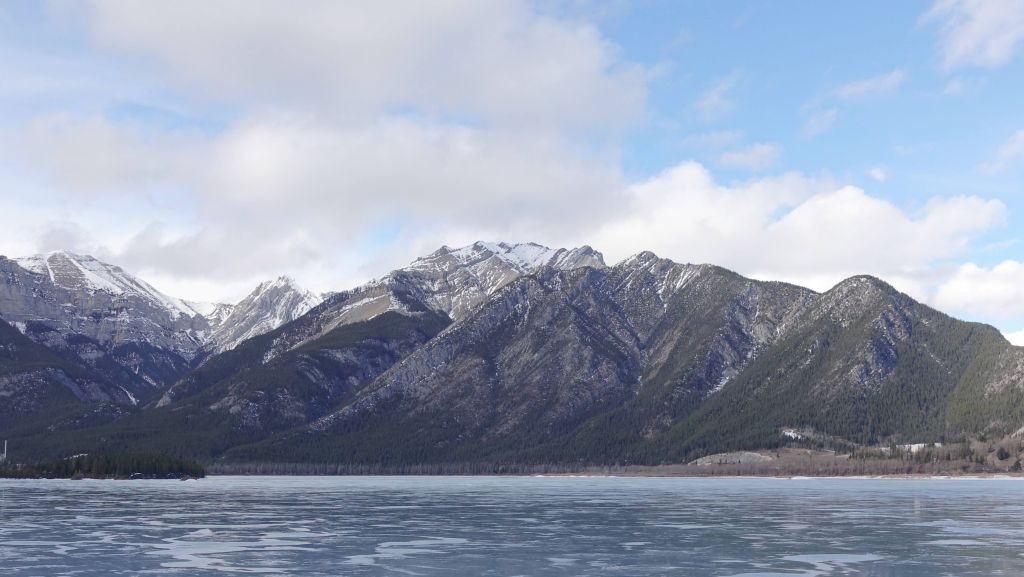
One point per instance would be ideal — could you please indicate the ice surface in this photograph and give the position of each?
(512, 526)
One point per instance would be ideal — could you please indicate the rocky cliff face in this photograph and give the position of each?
(653, 361)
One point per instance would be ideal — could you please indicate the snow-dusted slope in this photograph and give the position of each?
(456, 281)
(215, 313)
(271, 305)
(138, 337)
(523, 257)
(97, 314)
(76, 272)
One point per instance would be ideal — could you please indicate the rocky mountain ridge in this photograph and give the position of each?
(519, 353)
(120, 327)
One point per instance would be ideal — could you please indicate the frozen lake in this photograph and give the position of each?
(512, 526)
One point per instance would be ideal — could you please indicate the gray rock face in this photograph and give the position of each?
(271, 305)
(648, 338)
(453, 282)
(79, 294)
(103, 317)
(98, 315)
(456, 281)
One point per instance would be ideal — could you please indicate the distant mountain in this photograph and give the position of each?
(298, 372)
(272, 304)
(517, 353)
(101, 317)
(456, 281)
(120, 328)
(354, 336)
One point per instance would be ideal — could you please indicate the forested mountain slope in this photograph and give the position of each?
(523, 354)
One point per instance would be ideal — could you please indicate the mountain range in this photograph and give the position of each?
(494, 352)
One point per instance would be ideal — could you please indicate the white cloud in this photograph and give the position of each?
(1017, 338)
(993, 292)
(1010, 153)
(500, 62)
(404, 136)
(878, 173)
(407, 135)
(280, 193)
(983, 33)
(875, 85)
(794, 228)
(717, 100)
(754, 157)
(822, 115)
(286, 194)
(91, 155)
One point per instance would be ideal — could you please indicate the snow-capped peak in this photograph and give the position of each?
(270, 305)
(306, 299)
(522, 257)
(282, 282)
(640, 259)
(84, 272)
(456, 280)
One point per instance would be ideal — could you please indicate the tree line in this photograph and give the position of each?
(112, 466)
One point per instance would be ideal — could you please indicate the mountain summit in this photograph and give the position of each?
(270, 305)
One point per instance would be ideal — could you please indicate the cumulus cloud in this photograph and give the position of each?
(1016, 338)
(360, 138)
(874, 85)
(349, 122)
(806, 230)
(280, 192)
(754, 157)
(982, 33)
(995, 292)
(1010, 153)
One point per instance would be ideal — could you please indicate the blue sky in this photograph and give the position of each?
(207, 146)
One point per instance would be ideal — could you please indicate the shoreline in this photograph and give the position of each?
(591, 475)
